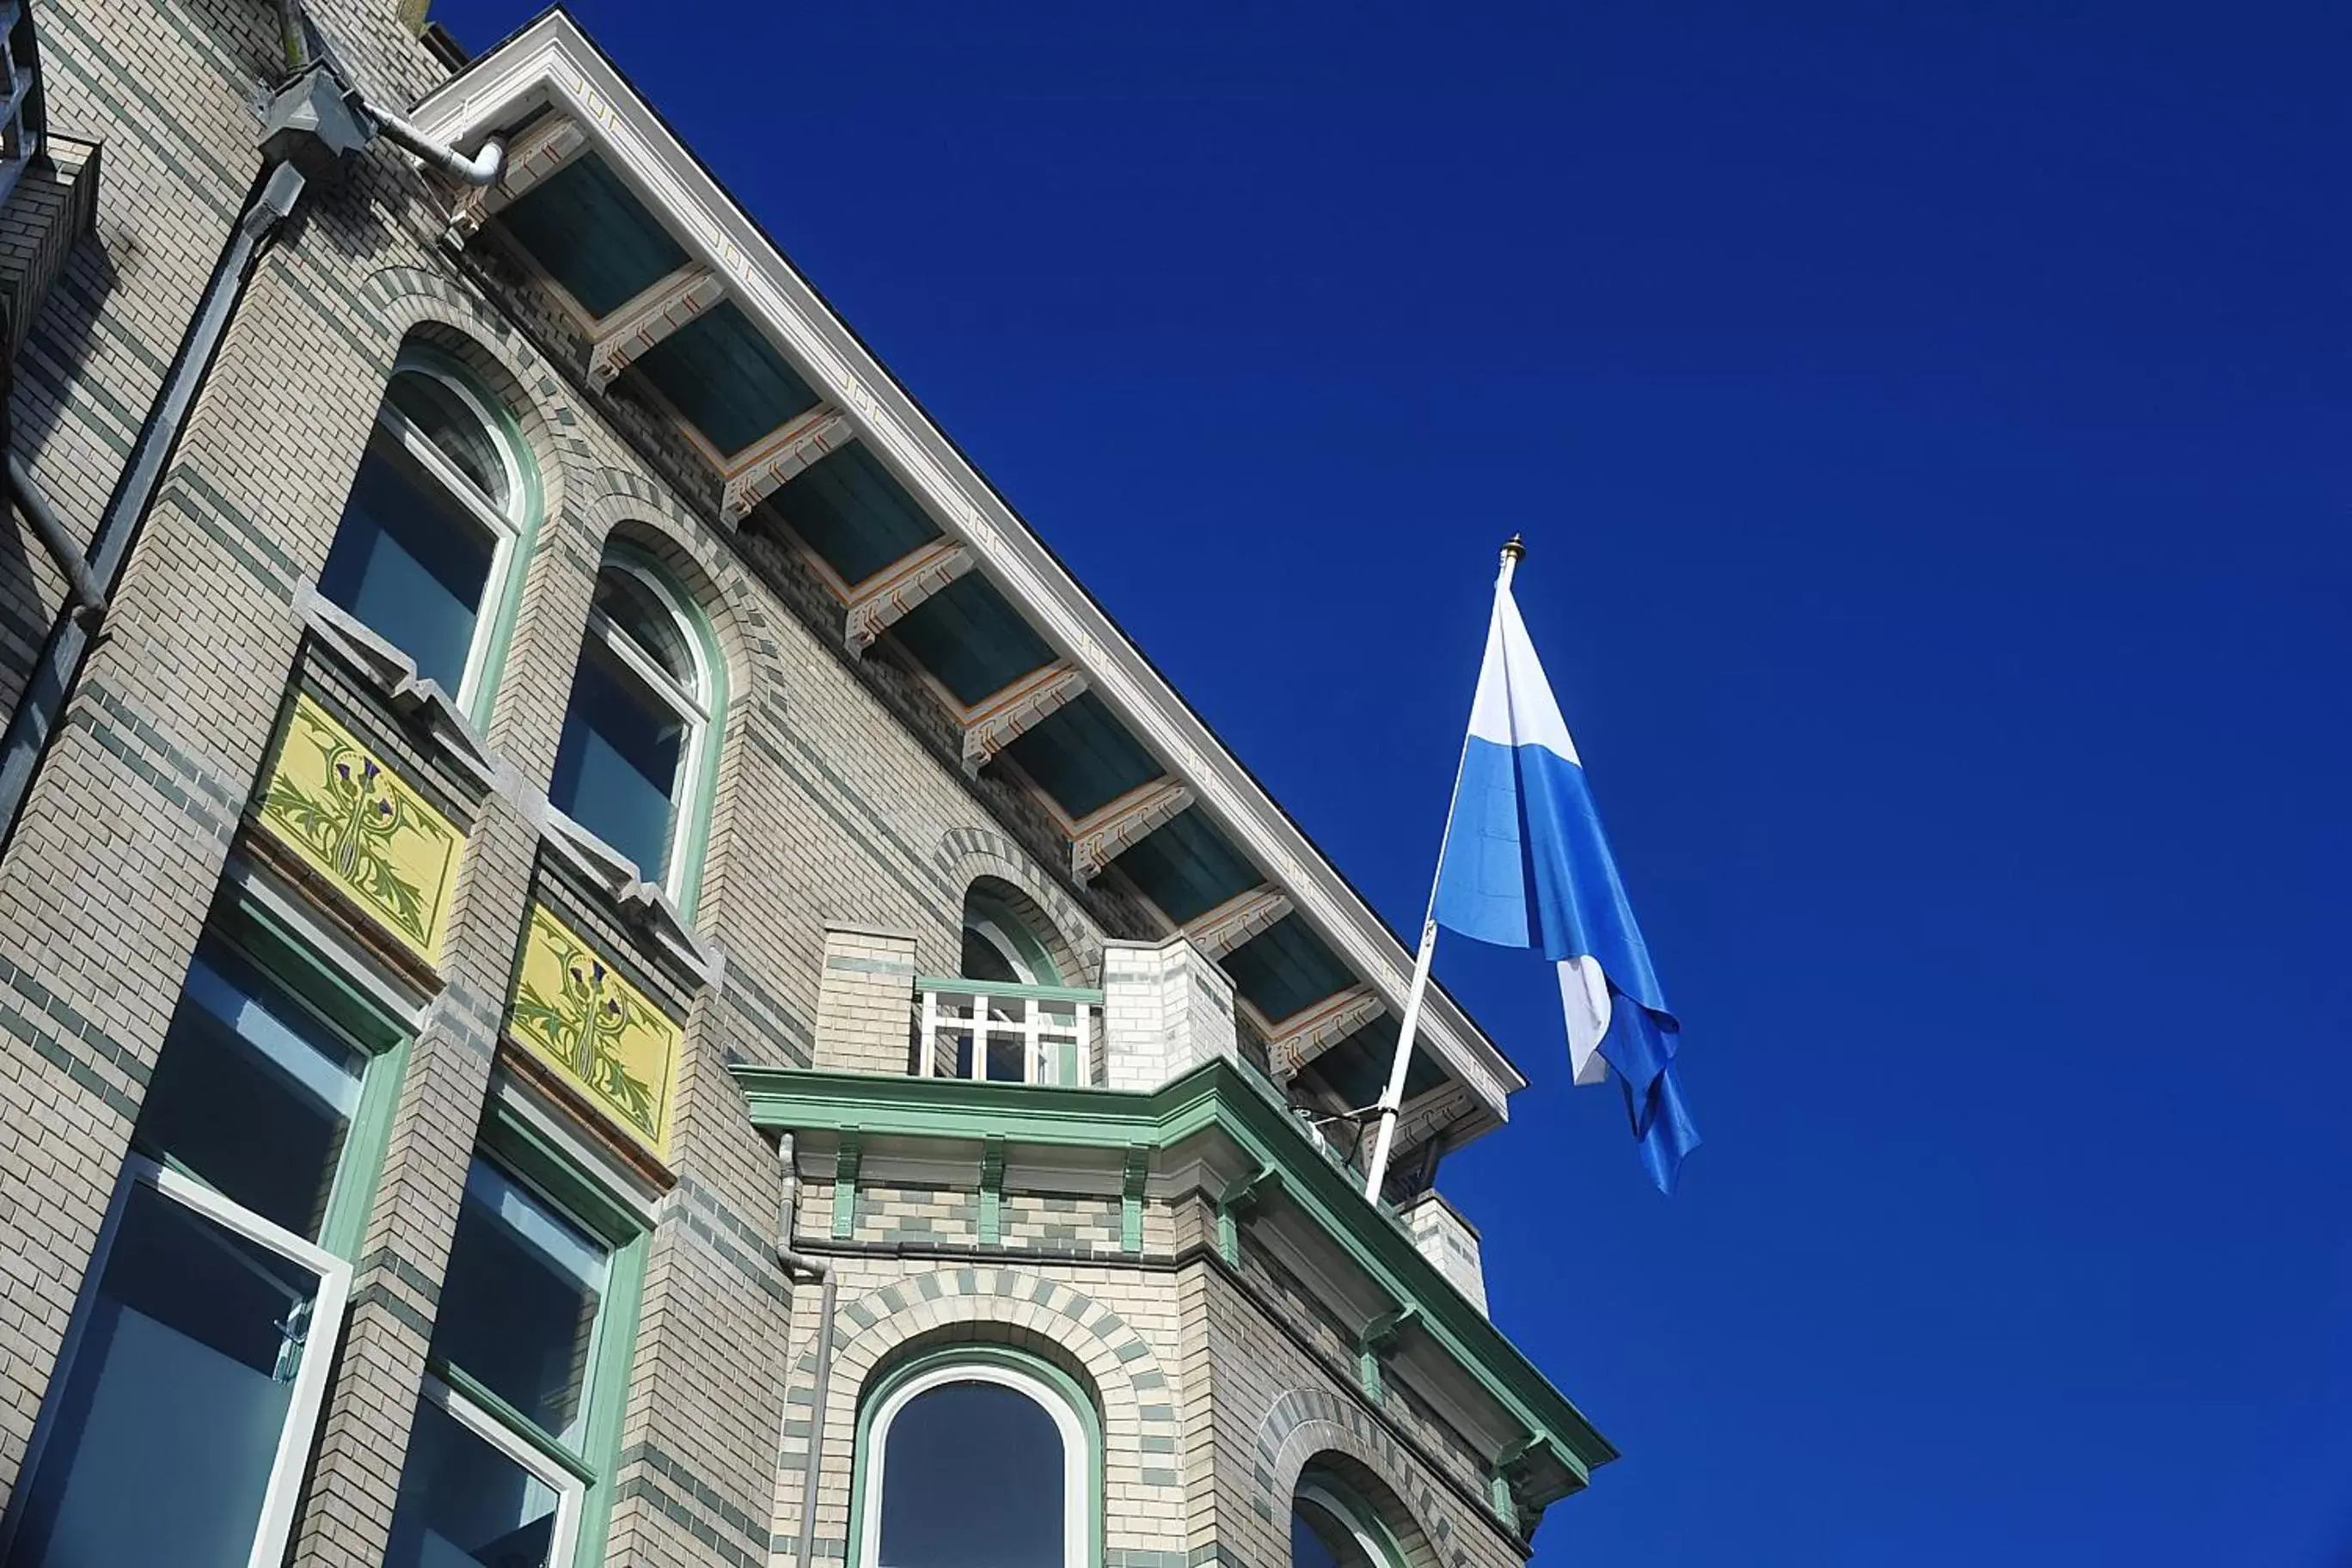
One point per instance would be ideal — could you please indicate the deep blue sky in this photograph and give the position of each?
(1930, 424)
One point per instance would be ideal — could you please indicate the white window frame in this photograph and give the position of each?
(570, 1491)
(504, 527)
(319, 1343)
(1076, 1534)
(1344, 1514)
(691, 708)
(992, 932)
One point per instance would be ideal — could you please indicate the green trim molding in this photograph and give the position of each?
(1216, 1097)
(689, 838)
(513, 1142)
(878, 1389)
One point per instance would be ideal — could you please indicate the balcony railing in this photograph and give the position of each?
(986, 1030)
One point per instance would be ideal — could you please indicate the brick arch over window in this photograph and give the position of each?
(968, 855)
(1312, 1425)
(1133, 1393)
(989, 894)
(410, 302)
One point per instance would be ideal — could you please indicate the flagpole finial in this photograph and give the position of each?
(1513, 550)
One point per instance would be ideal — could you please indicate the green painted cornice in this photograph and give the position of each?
(1215, 1097)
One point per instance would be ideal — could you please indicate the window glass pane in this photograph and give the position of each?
(167, 1423)
(642, 615)
(1320, 1538)
(253, 1093)
(983, 960)
(457, 432)
(519, 1307)
(617, 762)
(972, 1478)
(462, 1501)
(410, 561)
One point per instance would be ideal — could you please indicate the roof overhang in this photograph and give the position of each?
(551, 64)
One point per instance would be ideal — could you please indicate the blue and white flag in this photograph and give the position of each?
(1526, 865)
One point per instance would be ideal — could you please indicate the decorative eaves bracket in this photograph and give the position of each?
(887, 598)
(630, 332)
(780, 458)
(1378, 1338)
(1242, 1195)
(1237, 920)
(1101, 836)
(1006, 716)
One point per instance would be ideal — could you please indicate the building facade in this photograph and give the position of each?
(602, 957)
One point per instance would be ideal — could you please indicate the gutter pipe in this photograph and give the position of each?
(55, 538)
(310, 133)
(801, 1263)
(53, 677)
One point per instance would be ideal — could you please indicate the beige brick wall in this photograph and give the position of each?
(841, 850)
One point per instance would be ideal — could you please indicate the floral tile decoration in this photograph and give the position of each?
(574, 1013)
(335, 804)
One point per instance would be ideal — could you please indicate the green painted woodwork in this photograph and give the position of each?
(343, 1228)
(853, 513)
(1083, 757)
(1188, 867)
(721, 372)
(588, 231)
(845, 1186)
(972, 639)
(530, 507)
(1379, 1337)
(520, 1148)
(532, 1434)
(1134, 1172)
(1360, 1512)
(318, 983)
(878, 1390)
(1007, 988)
(992, 1193)
(1217, 1096)
(690, 831)
(980, 905)
(1286, 968)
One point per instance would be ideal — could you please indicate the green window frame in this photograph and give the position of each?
(511, 526)
(1365, 1541)
(288, 973)
(702, 709)
(582, 1468)
(1059, 1392)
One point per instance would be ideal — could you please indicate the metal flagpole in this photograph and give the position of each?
(1392, 1097)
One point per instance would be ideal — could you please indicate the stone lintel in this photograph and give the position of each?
(884, 598)
(1238, 918)
(630, 332)
(1101, 836)
(1013, 712)
(1306, 1034)
(779, 458)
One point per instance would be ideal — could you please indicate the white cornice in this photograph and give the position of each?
(551, 62)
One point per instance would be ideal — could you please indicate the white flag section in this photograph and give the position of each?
(1525, 864)
(1584, 997)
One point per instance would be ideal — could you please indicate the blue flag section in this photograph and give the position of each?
(1526, 865)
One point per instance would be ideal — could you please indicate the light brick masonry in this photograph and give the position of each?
(842, 846)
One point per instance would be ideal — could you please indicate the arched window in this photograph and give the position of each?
(444, 500)
(998, 945)
(975, 1455)
(1332, 1527)
(635, 763)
